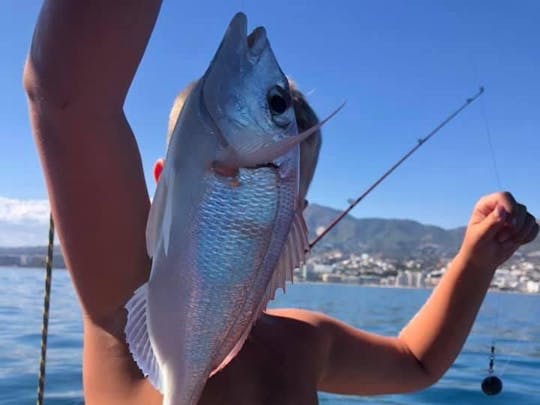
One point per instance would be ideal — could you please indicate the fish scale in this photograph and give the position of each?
(229, 250)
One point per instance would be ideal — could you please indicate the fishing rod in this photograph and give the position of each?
(45, 322)
(395, 166)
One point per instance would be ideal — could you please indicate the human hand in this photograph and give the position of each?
(499, 225)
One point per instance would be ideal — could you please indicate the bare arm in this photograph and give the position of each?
(83, 57)
(362, 363)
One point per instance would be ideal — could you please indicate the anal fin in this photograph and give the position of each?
(137, 337)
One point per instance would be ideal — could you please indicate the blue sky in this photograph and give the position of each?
(401, 66)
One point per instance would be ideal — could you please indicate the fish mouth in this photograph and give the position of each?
(232, 171)
(254, 43)
(270, 165)
(238, 55)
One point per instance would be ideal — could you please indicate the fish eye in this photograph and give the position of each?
(279, 100)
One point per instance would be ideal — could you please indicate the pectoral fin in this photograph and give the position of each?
(261, 153)
(160, 216)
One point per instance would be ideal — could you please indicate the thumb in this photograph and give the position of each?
(494, 222)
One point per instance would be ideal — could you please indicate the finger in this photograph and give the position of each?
(504, 235)
(519, 235)
(506, 199)
(494, 222)
(488, 203)
(533, 233)
(519, 217)
(509, 247)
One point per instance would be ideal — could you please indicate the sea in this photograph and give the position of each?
(510, 321)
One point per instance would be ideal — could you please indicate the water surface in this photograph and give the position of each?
(512, 319)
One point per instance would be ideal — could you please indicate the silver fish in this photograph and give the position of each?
(224, 229)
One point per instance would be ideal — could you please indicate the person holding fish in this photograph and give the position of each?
(174, 293)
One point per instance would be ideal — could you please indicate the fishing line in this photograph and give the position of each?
(512, 350)
(491, 384)
(490, 143)
(508, 360)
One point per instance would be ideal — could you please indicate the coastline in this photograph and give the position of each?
(310, 282)
(400, 287)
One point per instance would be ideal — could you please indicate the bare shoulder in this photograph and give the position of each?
(310, 329)
(315, 319)
(298, 329)
(281, 362)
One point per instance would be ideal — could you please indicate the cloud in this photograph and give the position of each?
(23, 222)
(23, 211)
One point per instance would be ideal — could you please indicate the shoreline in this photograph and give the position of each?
(402, 287)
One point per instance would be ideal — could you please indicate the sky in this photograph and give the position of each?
(401, 66)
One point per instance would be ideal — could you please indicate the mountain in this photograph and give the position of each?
(30, 256)
(391, 238)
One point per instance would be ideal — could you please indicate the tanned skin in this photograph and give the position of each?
(83, 58)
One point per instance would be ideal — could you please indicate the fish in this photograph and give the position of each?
(225, 227)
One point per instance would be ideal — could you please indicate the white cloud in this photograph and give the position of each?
(23, 222)
(23, 211)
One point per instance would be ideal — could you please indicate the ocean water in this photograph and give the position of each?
(512, 319)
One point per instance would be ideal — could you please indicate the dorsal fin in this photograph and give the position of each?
(293, 255)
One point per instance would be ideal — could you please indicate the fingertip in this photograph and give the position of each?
(501, 213)
(507, 195)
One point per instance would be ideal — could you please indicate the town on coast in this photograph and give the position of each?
(519, 274)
